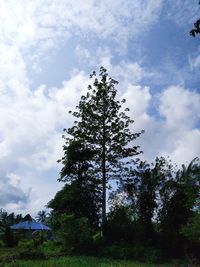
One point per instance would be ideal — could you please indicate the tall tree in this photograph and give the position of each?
(102, 126)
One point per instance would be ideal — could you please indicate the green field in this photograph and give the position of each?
(79, 262)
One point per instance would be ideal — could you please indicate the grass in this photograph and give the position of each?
(79, 262)
(8, 252)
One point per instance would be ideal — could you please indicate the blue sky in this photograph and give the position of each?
(47, 53)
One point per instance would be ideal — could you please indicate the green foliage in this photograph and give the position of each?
(43, 216)
(79, 198)
(27, 217)
(34, 254)
(179, 199)
(35, 242)
(196, 29)
(140, 253)
(103, 134)
(7, 219)
(97, 238)
(51, 248)
(32, 248)
(120, 226)
(142, 187)
(73, 233)
(8, 238)
(82, 262)
(191, 230)
(1, 243)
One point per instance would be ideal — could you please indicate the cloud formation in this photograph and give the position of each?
(11, 193)
(100, 33)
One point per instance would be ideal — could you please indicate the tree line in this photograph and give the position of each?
(113, 203)
(153, 207)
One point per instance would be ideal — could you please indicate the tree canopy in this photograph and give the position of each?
(101, 135)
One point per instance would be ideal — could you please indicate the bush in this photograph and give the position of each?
(51, 248)
(74, 233)
(139, 253)
(119, 226)
(1, 243)
(146, 254)
(23, 244)
(8, 238)
(31, 249)
(97, 238)
(33, 254)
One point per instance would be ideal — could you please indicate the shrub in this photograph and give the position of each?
(97, 238)
(119, 226)
(31, 254)
(31, 248)
(8, 238)
(74, 233)
(26, 244)
(1, 243)
(137, 252)
(50, 247)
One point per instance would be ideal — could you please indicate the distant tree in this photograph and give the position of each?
(8, 237)
(179, 198)
(196, 29)
(3, 219)
(11, 218)
(192, 229)
(7, 219)
(27, 217)
(102, 127)
(142, 186)
(18, 218)
(42, 216)
(191, 232)
(120, 225)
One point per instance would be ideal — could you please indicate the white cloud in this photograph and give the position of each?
(31, 121)
(31, 128)
(125, 72)
(83, 53)
(31, 124)
(175, 131)
(178, 133)
(28, 23)
(12, 193)
(180, 107)
(194, 62)
(13, 74)
(138, 99)
(183, 13)
(187, 147)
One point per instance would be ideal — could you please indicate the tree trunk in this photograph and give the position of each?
(104, 167)
(104, 191)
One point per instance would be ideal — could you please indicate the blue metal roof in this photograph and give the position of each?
(30, 225)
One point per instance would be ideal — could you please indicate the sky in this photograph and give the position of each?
(47, 52)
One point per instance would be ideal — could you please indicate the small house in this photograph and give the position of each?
(30, 228)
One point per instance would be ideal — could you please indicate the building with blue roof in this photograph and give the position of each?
(31, 229)
(30, 225)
